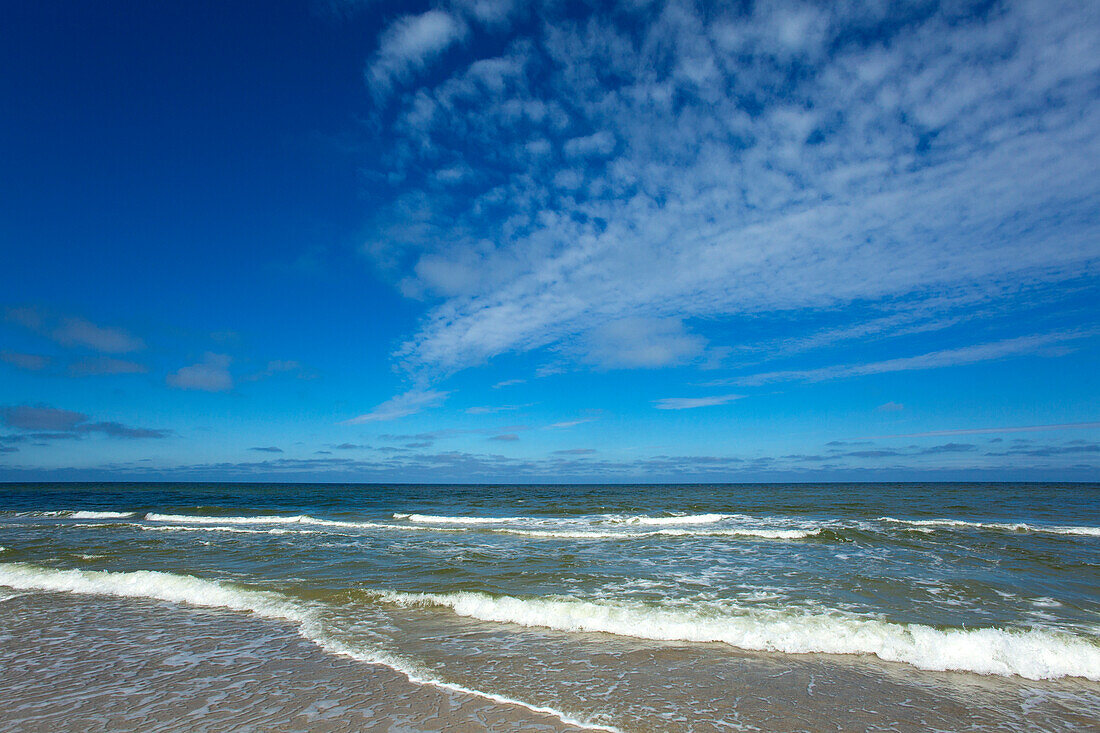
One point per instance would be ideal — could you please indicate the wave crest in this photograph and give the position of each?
(1033, 654)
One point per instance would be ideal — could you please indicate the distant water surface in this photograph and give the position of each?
(691, 607)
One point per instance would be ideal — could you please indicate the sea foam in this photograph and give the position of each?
(1033, 654)
(260, 519)
(999, 526)
(441, 519)
(100, 515)
(212, 594)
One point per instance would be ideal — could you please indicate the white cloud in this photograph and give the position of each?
(570, 423)
(641, 342)
(750, 172)
(688, 403)
(983, 431)
(209, 375)
(401, 405)
(409, 43)
(1023, 345)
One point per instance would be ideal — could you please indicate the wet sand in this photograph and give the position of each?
(74, 663)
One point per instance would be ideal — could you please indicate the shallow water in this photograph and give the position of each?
(773, 607)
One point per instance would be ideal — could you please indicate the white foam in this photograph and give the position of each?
(441, 519)
(212, 594)
(474, 524)
(1034, 654)
(681, 519)
(261, 519)
(101, 515)
(220, 528)
(773, 534)
(1002, 526)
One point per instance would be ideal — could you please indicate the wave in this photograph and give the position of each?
(583, 534)
(1002, 526)
(219, 528)
(681, 519)
(441, 519)
(74, 514)
(260, 519)
(100, 515)
(195, 591)
(774, 534)
(1034, 654)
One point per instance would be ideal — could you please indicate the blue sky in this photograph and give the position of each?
(492, 241)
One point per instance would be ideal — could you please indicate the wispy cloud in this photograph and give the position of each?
(209, 375)
(1022, 345)
(994, 430)
(402, 405)
(642, 164)
(641, 343)
(688, 403)
(570, 423)
(73, 331)
(267, 449)
(410, 43)
(493, 409)
(81, 332)
(30, 362)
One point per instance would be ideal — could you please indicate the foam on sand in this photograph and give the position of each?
(212, 594)
(1034, 654)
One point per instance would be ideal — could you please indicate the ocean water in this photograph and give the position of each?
(635, 608)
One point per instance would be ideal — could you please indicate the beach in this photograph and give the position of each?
(694, 608)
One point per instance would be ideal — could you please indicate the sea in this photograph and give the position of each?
(765, 607)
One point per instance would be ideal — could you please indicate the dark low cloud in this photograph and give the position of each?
(40, 417)
(948, 448)
(267, 449)
(41, 423)
(575, 452)
(1077, 447)
(75, 332)
(505, 437)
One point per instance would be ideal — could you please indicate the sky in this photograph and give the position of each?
(495, 241)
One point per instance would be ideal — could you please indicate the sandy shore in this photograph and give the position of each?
(75, 663)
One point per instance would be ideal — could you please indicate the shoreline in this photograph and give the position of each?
(85, 663)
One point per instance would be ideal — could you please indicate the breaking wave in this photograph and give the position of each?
(439, 519)
(101, 515)
(1001, 526)
(1034, 654)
